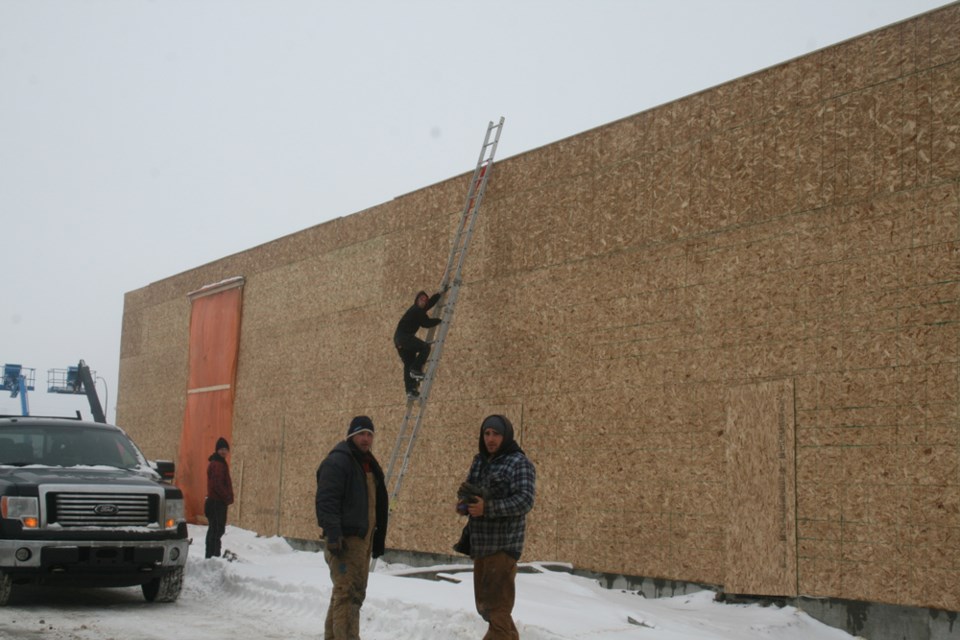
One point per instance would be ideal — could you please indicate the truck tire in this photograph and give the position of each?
(6, 587)
(164, 589)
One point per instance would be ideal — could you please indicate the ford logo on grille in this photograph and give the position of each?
(106, 509)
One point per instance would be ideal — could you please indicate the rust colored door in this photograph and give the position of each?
(214, 349)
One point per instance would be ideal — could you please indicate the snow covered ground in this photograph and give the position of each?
(275, 592)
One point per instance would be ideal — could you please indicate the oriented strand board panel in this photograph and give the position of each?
(760, 554)
(799, 223)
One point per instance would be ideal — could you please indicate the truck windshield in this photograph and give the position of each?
(58, 446)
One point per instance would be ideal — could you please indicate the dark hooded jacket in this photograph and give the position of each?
(508, 479)
(414, 318)
(342, 496)
(219, 485)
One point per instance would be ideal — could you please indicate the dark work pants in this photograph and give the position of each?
(414, 353)
(216, 512)
(494, 592)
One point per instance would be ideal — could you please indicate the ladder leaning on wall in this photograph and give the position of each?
(450, 288)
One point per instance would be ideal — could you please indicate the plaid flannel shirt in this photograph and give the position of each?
(510, 481)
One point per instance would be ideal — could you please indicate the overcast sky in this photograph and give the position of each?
(142, 138)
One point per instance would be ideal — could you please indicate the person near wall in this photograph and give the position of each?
(497, 495)
(352, 510)
(412, 350)
(219, 497)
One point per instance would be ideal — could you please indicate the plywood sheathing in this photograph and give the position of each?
(800, 223)
(761, 531)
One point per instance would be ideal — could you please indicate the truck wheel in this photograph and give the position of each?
(165, 589)
(6, 586)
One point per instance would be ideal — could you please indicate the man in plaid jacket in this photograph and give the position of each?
(498, 494)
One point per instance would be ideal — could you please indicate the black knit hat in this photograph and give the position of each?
(222, 444)
(360, 424)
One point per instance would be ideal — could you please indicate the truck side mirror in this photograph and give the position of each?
(166, 469)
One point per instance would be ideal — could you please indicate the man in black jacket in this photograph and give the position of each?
(414, 351)
(352, 510)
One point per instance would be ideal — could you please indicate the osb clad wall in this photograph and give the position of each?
(654, 303)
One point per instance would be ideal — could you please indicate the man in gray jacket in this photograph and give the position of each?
(352, 510)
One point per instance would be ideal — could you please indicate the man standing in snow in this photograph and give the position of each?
(352, 511)
(497, 495)
(414, 351)
(219, 497)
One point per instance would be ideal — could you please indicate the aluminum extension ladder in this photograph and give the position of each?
(450, 288)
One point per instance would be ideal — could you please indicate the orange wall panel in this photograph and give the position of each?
(214, 345)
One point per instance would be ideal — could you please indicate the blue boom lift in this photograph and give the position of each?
(18, 380)
(77, 380)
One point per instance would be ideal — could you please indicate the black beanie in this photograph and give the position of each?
(222, 444)
(358, 425)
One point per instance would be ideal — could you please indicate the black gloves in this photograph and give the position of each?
(337, 548)
(470, 492)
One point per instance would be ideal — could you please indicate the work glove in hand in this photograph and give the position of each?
(468, 490)
(337, 548)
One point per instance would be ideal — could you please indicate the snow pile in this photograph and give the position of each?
(269, 591)
(270, 580)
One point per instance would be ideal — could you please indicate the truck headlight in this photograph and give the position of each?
(24, 509)
(173, 513)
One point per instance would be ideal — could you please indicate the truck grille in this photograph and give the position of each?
(101, 509)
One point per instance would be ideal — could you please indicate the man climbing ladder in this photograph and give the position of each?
(439, 326)
(412, 350)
